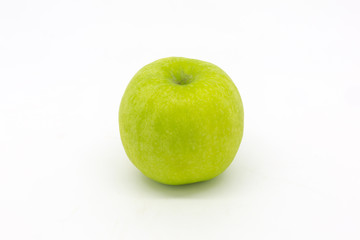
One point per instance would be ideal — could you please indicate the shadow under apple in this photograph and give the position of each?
(193, 190)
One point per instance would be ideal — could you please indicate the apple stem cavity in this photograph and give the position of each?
(181, 78)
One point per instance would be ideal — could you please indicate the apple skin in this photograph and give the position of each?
(181, 120)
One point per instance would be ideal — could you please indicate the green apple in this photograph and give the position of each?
(181, 120)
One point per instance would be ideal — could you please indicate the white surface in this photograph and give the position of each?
(64, 66)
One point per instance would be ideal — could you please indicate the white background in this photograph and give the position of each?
(64, 66)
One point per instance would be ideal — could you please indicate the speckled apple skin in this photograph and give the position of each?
(181, 120)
